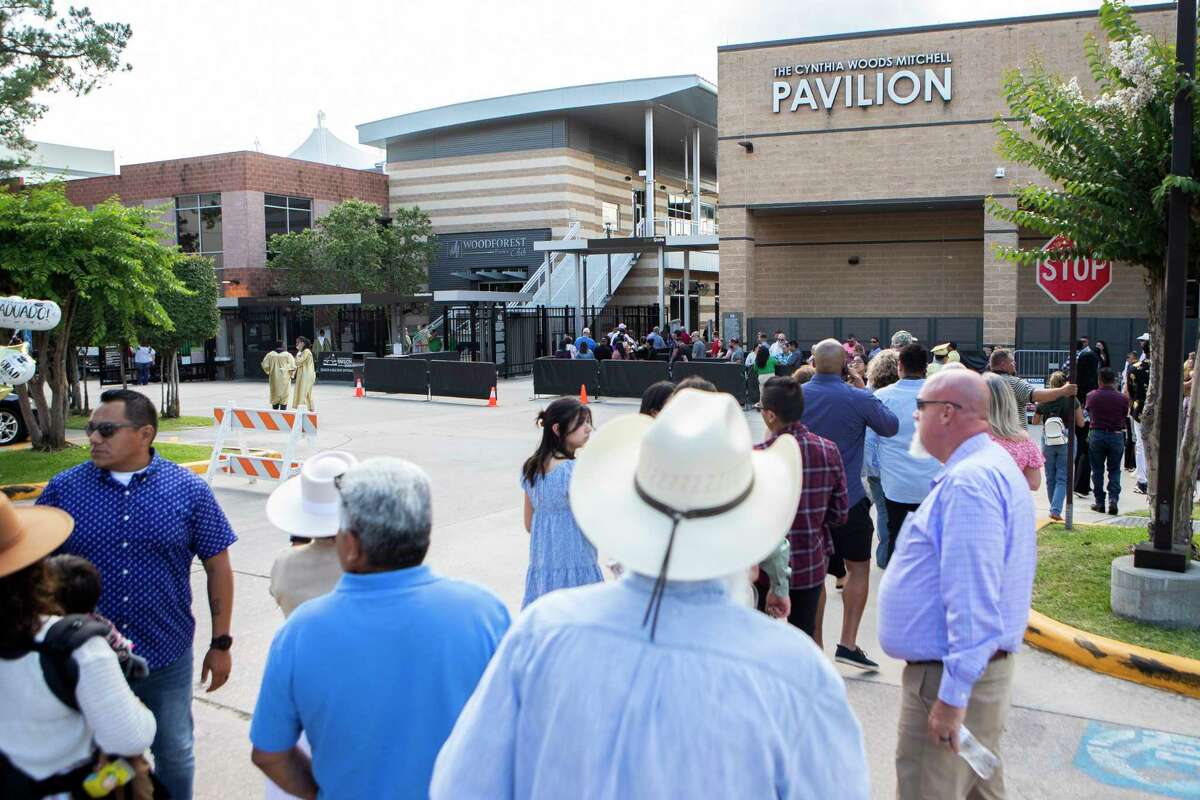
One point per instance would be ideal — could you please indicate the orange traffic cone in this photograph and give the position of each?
(583, 393)
(358, 388)
(492, 398)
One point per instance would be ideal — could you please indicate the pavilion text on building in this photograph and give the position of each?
(820, 88)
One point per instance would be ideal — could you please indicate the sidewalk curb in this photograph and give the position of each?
(1111, 657)
(31, 491)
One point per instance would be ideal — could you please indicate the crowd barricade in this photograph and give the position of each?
(297, 424)
(563, 376)
(397, 375)
(751, 377)
(624, 378)
(727, 377)
(470, 379)
(440, 355)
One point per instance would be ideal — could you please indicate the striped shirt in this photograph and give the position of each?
(824, 504)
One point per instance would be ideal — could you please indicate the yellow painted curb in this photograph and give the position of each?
(1119, 659)
(31, 491)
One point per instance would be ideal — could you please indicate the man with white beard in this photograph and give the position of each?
(905, 469)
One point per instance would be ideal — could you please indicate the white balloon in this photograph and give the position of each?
(33, 315)
(17, 368)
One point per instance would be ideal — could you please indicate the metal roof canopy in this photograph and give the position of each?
(633, 244)
(687, 96)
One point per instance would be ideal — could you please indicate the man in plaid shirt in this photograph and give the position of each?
(824, 501)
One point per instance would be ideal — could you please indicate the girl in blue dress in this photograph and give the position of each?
(559, 555)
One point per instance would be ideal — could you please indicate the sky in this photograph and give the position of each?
(221, 75)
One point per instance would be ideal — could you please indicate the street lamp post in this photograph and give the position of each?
(1162, 554)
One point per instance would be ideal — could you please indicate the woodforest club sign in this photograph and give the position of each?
(896, 79)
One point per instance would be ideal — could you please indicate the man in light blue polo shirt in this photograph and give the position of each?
(376, 672)
(906, 475)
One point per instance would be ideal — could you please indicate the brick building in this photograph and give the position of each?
(226, 206)
(853, 173)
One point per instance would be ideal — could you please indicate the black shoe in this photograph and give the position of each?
(855, 658)
(1081, 494)
(1113, 510)
(1098, 508)
(1140, 488)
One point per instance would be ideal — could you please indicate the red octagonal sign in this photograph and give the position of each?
(1074, 280)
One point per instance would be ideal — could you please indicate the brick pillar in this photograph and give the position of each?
(999, 281)
(737, 261)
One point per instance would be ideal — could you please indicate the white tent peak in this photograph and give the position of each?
(323, 147)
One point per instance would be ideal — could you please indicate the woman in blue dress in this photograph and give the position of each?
(559, 555)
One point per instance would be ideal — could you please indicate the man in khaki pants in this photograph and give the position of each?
(955, 597)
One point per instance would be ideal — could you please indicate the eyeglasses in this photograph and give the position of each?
(107, 429)
(922, 403)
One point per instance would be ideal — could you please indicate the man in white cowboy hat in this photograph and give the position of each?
(375, 672)
(659, 685)
(306, 507)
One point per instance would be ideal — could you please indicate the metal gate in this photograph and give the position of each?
(364, 329)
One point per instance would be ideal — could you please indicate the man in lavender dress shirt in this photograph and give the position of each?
(955, 598)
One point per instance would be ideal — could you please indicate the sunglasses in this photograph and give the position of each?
(922, 403)
(107, 429)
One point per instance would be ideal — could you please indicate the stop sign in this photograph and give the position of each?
(1073, 280)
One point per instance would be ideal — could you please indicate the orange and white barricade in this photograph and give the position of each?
(296, 425)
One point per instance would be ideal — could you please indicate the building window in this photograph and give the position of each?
(287, 215)
(198, 225)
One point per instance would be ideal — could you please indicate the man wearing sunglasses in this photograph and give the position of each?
(141, 520)
(955, 598)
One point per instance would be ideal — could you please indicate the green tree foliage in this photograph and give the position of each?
(192, 309)
(41, 52)
(349, 250)
(110, 256)
(1107, 152)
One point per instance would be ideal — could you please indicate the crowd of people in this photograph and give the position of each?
(388, 678)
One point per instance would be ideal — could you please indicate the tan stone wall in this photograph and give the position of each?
(933, 150)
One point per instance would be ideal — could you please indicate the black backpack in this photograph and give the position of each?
(1139, 385)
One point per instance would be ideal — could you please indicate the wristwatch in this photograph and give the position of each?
(222, 642)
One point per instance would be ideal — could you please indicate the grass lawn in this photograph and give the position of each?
(1145, 512)
(1072, 586)
(164, 425)
(28, 466)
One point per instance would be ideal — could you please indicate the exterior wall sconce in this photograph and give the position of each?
(746, 143)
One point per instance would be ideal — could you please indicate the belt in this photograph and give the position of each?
(1108, 430)
(996, 656)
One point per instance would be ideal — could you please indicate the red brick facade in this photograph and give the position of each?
(231, 172)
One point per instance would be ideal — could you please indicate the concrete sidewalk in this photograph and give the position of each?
(473, 454)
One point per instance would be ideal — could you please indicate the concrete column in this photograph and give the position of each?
(696, 180)
(737, 252)
(999, 281)
(687, 291)
(650, 172)
(662, 292)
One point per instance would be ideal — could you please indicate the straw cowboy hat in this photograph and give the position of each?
(699, 501)
(308, 504)
(941, 349)
(29, 534)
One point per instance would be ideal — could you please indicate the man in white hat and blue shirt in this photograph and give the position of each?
(660, 685)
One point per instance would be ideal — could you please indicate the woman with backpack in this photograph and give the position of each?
(47, 747)
(559, 555)
(1054, 417)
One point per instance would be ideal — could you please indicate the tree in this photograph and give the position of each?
(76, 53)
(52, 250)
(348, 250)
(1107, 153)
(192, 309)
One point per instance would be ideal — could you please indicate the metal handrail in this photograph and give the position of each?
(534, 284)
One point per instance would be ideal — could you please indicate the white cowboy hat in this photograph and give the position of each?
(696, 456)
(28, 535)
(308, 504)
(1145, 337)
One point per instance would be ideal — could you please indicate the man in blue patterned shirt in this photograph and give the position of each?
(141, 520)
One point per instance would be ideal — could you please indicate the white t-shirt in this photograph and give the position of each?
(124, 478)
(143, 355)
(43, 737)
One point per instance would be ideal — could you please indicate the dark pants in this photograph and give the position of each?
(167, 692)
(143, 374)
(804, 608)
(896, 514)
(1130, 457)
(1083, 469)
(1105, 450)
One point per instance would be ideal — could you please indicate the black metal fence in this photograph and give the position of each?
(513, 338)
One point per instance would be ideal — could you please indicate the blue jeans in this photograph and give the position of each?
(167, 692)
(875, 486)
(1056, 476)
(143, 374)
(1105, 449)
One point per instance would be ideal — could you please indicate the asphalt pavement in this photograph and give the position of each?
(1072, 733)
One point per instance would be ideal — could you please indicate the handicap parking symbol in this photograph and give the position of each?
(1166, 764)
